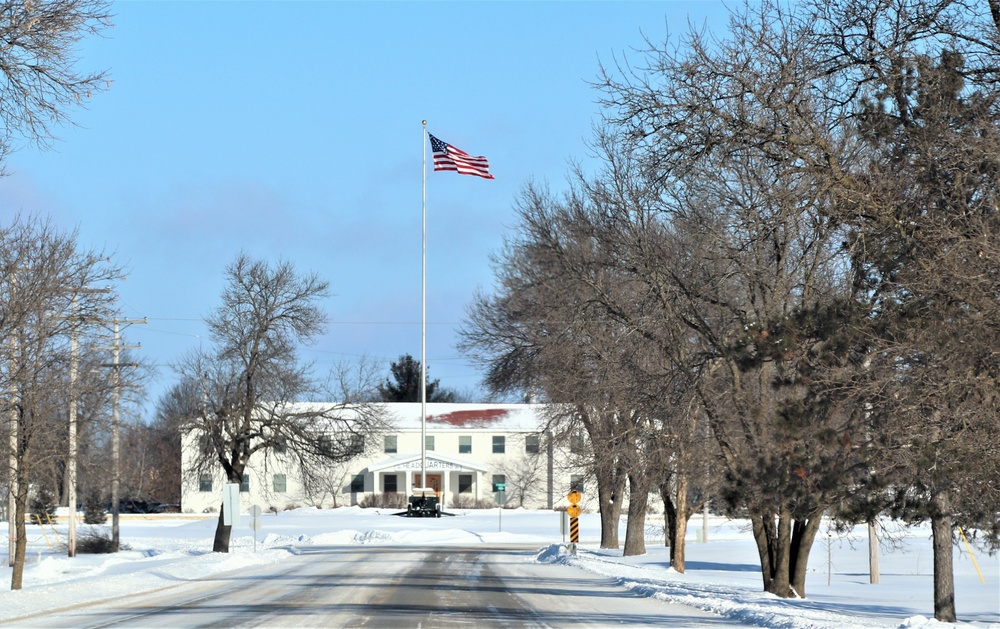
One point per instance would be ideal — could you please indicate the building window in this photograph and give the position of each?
(390, 444)
(465, 444)
(499, 444)
(531, 444)
(325, 445)
(358, 484)
(205, 483)
(465, 483)
(279, 484)
(357, 445)
(245, 483)
(389, 484)
(206, 445)
(576, 482)
(429, 443)
(577, 445)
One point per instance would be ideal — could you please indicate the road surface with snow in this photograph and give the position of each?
(167, 562)
(392, 586)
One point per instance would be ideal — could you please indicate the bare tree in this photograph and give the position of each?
(253, 385)
(40, 81)
(43, 271)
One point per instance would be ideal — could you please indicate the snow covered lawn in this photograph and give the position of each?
(722, 575)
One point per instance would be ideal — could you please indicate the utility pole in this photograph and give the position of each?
(72, 456)
(116, 348)
(12, 460)
(12, 464)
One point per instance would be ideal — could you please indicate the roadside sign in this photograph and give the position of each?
(573, 511)
(255, 512)
(499, 486)
(230, 503)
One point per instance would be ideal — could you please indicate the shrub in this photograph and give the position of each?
(471, 502)
(96, 542)
(384, 501)
(93, 511)
(43, 506)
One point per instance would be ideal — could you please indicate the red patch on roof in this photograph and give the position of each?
(472, 419)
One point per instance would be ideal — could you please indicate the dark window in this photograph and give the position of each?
(464, 444)
(325, 444)
(390, 444)
(531, 444)
(280, 445)
(499, 444)
(576, 482)
(358, 483)
(280, 483)
(357, 444)
(245, 484)
(429, 443)
(389, 484)
(465, 483)
(577, 445)
(205, 483)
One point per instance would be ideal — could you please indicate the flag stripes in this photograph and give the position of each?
(448, 157)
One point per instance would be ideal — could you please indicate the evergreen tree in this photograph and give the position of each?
(43, 506)
(93, 512)
(404, 384)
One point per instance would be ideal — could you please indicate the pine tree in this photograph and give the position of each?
(404, 385)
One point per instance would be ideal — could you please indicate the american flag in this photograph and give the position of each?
(447, 157)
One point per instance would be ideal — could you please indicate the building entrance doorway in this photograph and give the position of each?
(433, 482)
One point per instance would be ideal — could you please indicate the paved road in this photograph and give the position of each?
(379, 586)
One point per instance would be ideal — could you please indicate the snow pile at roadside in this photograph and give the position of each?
(731, 600)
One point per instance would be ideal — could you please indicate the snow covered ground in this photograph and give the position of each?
(722, 575)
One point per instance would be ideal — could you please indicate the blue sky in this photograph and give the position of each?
(292, 130)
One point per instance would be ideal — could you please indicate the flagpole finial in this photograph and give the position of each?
(424, 123)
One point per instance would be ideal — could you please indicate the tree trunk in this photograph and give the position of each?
(944, 577)
(610, 486)
(803, 535)
(774, 548)
(635, 527)
(222, 533)
(763, 532)
(784, 548)
(781, 577)
(669, 515)
(677, 546)
(676, 513)
(20, 514)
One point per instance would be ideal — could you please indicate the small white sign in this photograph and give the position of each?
(230, 503)
(255, 512)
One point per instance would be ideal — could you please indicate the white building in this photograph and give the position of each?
(471, 451)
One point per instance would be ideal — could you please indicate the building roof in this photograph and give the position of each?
(450, 417)
(405, 416)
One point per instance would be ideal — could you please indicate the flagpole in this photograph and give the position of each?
(423, 316)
